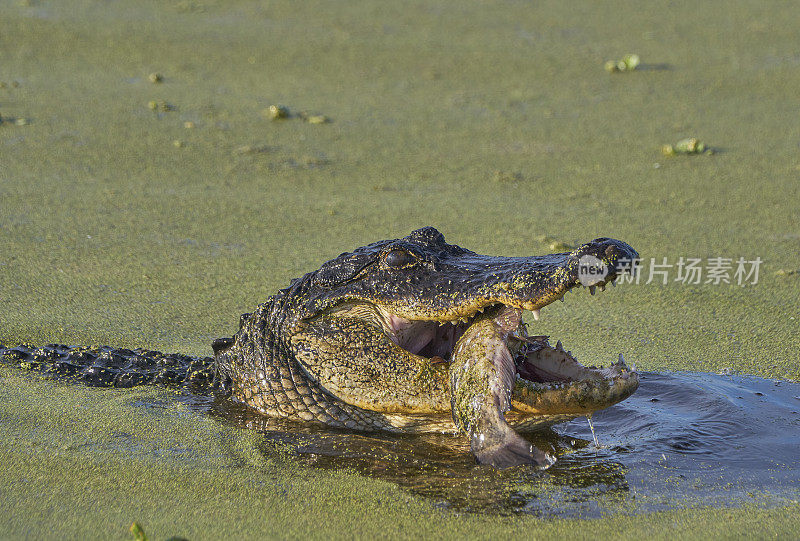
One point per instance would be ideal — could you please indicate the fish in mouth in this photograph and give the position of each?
(502, 378)
(417, 335)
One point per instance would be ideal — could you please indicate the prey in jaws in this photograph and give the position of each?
(498, 371)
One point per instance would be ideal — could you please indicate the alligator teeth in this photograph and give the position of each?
(559, 346)
(591, 290)
(535, 314)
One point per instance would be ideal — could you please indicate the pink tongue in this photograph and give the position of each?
(421, 338)
(531, 372)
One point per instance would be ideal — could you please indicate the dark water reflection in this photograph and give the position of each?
(684, 439)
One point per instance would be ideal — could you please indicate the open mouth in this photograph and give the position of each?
(539, 379)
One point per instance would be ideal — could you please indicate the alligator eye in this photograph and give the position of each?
(398, 258)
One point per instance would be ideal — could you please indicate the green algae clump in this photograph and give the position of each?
(629, 62)
(690, 145)
(277, 112)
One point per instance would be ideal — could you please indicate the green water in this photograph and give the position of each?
(493, 121)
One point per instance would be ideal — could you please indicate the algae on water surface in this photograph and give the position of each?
(112, 233)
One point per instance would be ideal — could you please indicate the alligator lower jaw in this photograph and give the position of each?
(550, 381)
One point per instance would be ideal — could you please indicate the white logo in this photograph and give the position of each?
(591, 270)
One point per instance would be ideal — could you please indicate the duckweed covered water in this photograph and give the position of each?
(493, 121)
(88, 462)
(683, 440)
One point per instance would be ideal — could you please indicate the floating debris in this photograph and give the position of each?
(281, 112)
(313, 119)
(17, 121)
(314, 161)
(252, 149)
(317, 119)
(188, 125)
(155, 78)
(555, 244)
(558, 246)
(160, 105)
(787, 272)
(629, 62)
(690, 145)
(189, 6)
(138, 532)
(506, 176)
(277, 112)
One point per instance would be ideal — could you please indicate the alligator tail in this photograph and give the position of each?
(105, 366)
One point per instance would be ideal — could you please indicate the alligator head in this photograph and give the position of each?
(368, 340)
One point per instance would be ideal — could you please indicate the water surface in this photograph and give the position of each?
(683, 439)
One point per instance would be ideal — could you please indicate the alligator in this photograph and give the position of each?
(408, 335)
